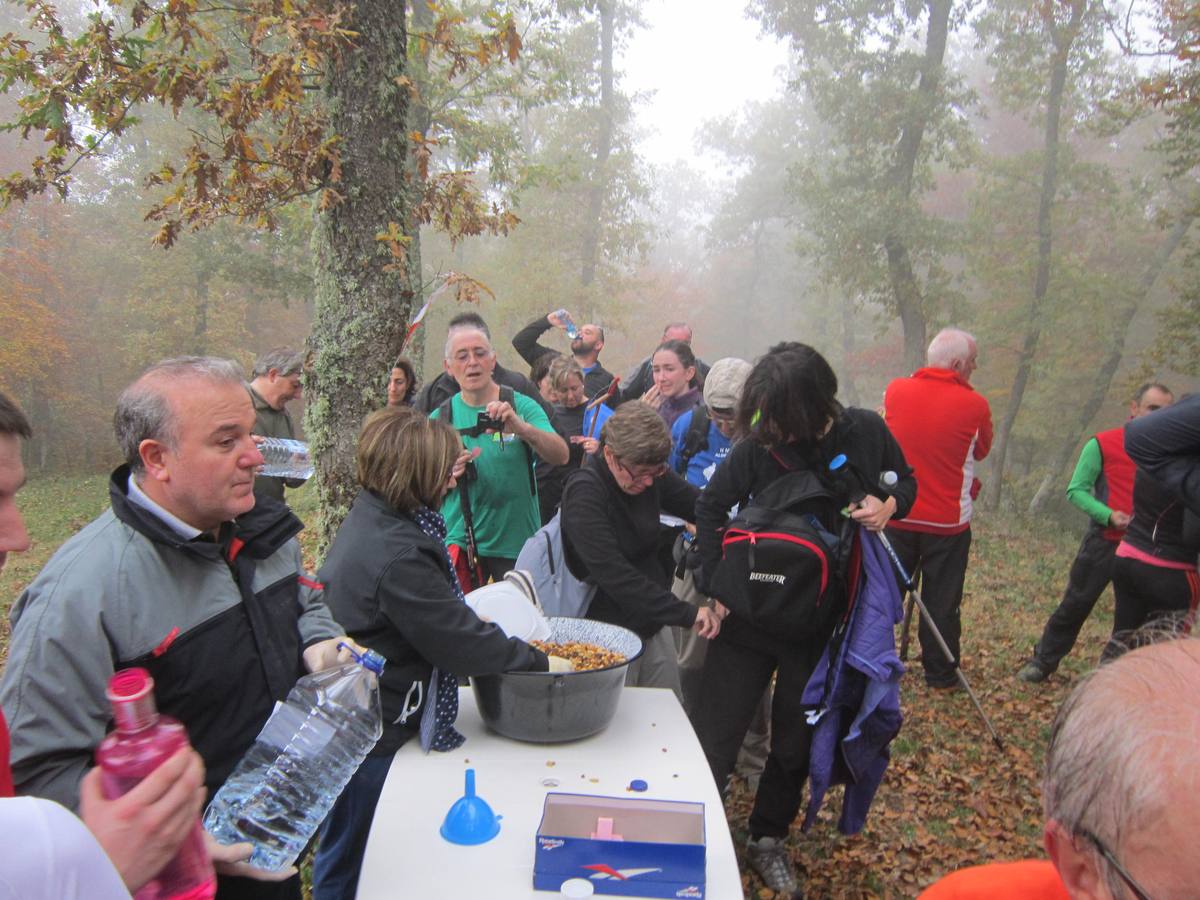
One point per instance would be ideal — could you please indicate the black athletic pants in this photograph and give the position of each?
(1144, 593)
(942, 559)
(737, 669)
(496, 567)
(1090, 574)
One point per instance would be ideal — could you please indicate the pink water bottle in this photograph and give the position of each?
(142, 742)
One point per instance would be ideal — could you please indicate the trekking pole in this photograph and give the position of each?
(908, 613)
(915, 597)
(840, 468)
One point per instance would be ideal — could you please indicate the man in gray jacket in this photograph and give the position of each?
(276, 380)
(186, 576)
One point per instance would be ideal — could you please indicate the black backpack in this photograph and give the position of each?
(784, 559)
(695, 439)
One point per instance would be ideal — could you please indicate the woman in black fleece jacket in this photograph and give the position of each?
(610, 529)
(388, 582)
(790, 420)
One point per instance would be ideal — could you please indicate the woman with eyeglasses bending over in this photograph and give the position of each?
(610, 526)
(388, 581)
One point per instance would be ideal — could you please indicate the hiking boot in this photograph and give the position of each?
(769, 858)
(1033, 672)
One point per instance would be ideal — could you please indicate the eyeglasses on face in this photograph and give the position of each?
(1109, 857)
(649, 473)
(479, 353)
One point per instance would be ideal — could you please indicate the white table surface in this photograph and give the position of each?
(649, 738)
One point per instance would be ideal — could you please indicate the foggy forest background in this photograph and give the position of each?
(1020, 169)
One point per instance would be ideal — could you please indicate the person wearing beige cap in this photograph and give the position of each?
(700, 441)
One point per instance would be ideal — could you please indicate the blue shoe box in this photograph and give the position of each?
(661, 854)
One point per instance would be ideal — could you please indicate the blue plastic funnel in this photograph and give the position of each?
(470, 820)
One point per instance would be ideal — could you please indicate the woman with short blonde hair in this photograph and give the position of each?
(405, 457)
(389, 582)
(576, 419)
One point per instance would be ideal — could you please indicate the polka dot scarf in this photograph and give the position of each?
(441, 704)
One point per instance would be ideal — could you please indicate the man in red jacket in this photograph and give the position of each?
(943, 426)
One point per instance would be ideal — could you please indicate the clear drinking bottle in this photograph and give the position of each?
(285, 458)
(568, 323)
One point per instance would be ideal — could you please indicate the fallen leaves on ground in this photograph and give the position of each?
(950, 798)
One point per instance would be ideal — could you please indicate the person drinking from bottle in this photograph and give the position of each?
(585, 349)
(275, 381)
(389, 581)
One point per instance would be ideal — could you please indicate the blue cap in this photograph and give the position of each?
(368, 659)
(837, 462)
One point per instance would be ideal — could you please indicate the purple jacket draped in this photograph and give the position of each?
(853, 696)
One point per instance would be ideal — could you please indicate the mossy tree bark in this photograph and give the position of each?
(364, 295)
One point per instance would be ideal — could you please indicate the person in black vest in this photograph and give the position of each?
(790, 421)
(1101, 486)
(1155, 573)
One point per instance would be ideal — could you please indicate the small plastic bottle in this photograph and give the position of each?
(568, 323)
(288, 781)
(142, 741)
(285, 458)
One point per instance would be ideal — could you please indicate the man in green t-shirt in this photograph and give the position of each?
(502, 497)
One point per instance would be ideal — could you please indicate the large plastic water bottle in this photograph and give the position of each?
(285, 458)
(144, 740)
(286, 784)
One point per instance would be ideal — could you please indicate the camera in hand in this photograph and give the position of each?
(483, 424)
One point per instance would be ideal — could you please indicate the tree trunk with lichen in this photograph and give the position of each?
(363, 300)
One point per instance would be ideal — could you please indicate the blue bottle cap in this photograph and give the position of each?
(368, 659)
(638, 785)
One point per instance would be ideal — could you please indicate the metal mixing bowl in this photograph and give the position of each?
(541, 707)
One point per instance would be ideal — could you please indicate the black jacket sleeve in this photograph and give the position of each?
(639, 382)
(905, 489)
(414, 598)
(1166, 443)
(588, 531)
(525, 340)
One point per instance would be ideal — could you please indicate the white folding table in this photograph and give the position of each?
(649, 739)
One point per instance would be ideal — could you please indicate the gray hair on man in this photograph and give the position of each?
(950, 345)
(143, 411)
(1123, 753)
(456, 329)
(283, 360)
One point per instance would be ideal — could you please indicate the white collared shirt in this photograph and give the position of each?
(138, 497)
